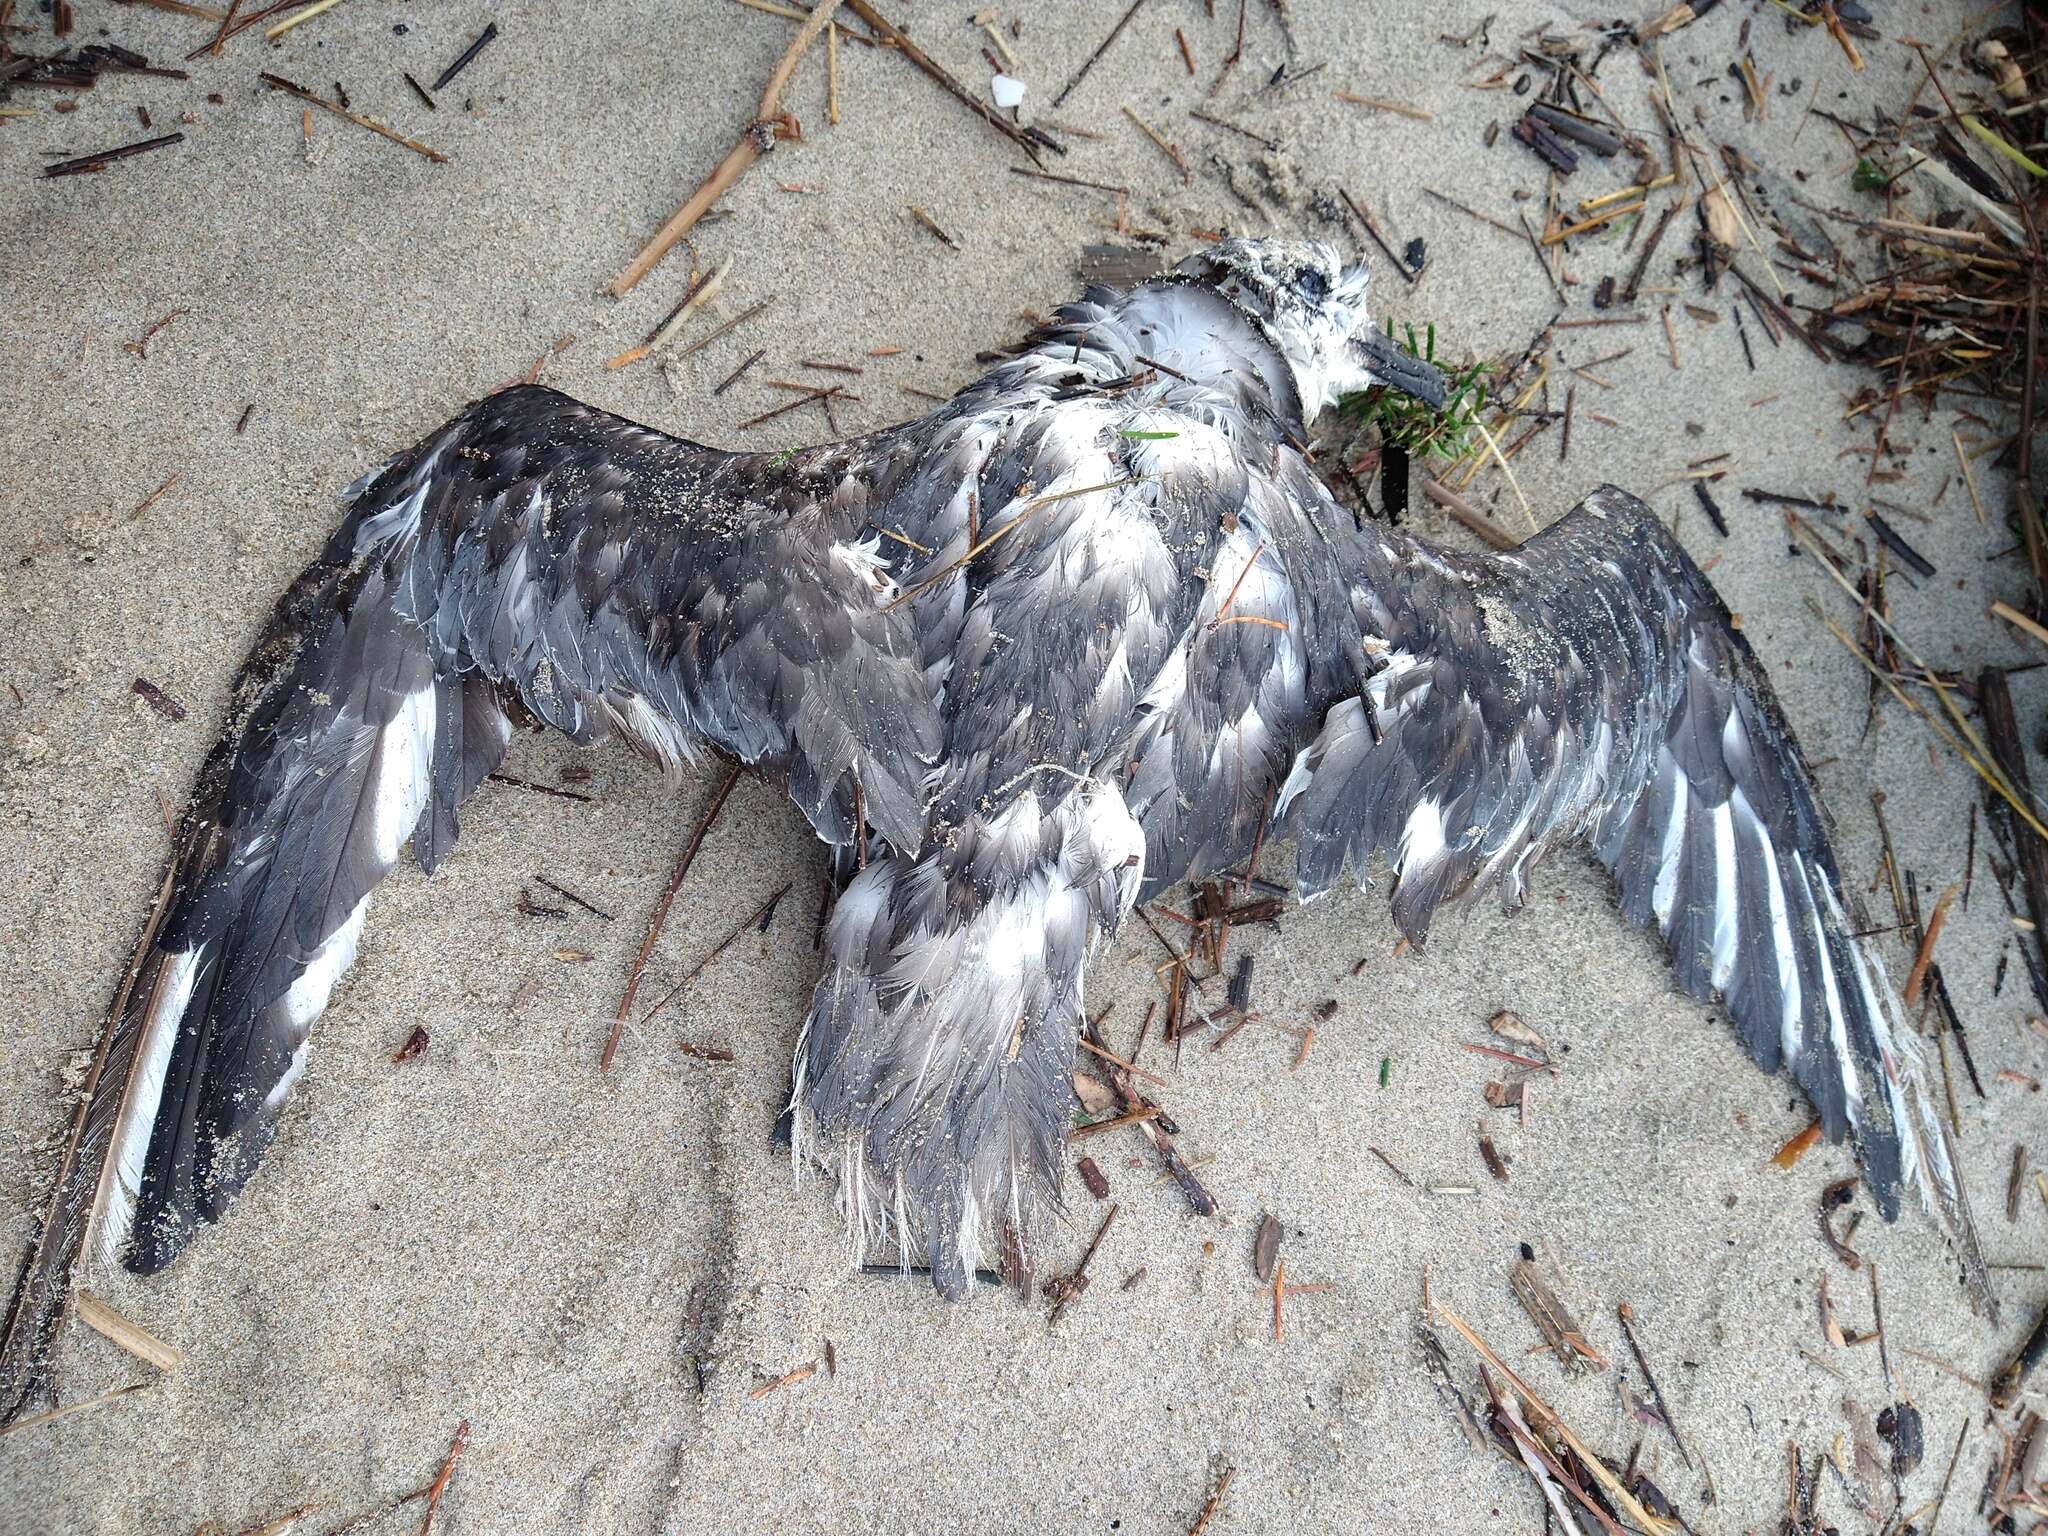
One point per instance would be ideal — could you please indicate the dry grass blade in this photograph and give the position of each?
(1976, 755)
(273, 33)
(37, 1420)
(1513, 484)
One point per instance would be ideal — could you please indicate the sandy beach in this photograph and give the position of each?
(599, 1272)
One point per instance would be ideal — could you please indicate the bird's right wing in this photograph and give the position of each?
(1591, 683)
(533, 553)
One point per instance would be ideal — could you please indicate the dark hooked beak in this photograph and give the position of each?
(1400, 370)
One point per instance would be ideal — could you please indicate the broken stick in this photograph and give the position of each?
(754, 141)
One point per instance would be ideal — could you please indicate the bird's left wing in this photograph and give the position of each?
(1591, 683)
(533, 553)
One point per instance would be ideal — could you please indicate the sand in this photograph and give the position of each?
(596, 1272)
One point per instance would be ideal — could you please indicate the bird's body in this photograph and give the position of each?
(1065, 641)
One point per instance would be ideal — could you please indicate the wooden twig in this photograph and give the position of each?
(227, 19)
(1171, 151)
(916, 55)
(932, 226)
(568, 895)
(2005, 1386)
(832, 74)
(277, 83)
(1116, 1123)
(734, 377)
(1117, 1061)
(1373, 230)
(1380, 104)
(2001, 729)
(1073, 1285)
(101, 159)
(1917, 977)
(754, 141)
(1212, 1503)
(1392, 1167)
(233, 24)
(1101, 48)
(464, 59)
(1217, 122)
(439, 1485)
(1466, 513)
(1616, 1490)
(786, 1379)
(277, 1525)
(758, 915)
(809, 397)
(1628, 1330)
(661, 910)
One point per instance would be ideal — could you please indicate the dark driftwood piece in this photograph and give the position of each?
(2005, 1386)
(1560, 1330)
(2001, 729)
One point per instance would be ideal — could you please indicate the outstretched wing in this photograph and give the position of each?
(601, 574)
(1591, 683)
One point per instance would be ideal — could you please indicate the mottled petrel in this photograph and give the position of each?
(1057, 645)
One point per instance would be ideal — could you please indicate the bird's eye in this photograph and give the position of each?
(1312, 283)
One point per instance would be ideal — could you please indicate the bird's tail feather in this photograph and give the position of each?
(935, 1069)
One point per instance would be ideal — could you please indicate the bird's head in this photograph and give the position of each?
(1312, 304)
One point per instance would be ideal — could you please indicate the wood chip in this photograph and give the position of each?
(139, 1342)
(1560, 1330)
(1266, 1248)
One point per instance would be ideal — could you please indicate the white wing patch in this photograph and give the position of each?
(307, 998)
(1669, 853)
(1422, 839)
(121, 1179)
(1727, 920)
(405, 755)
(1782, 945)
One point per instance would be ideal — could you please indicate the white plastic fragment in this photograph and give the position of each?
(1007, 92)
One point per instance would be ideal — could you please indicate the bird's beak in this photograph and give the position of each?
(1396, 369)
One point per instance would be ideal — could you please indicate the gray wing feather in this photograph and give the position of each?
(618, 578)
(1591, 683)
